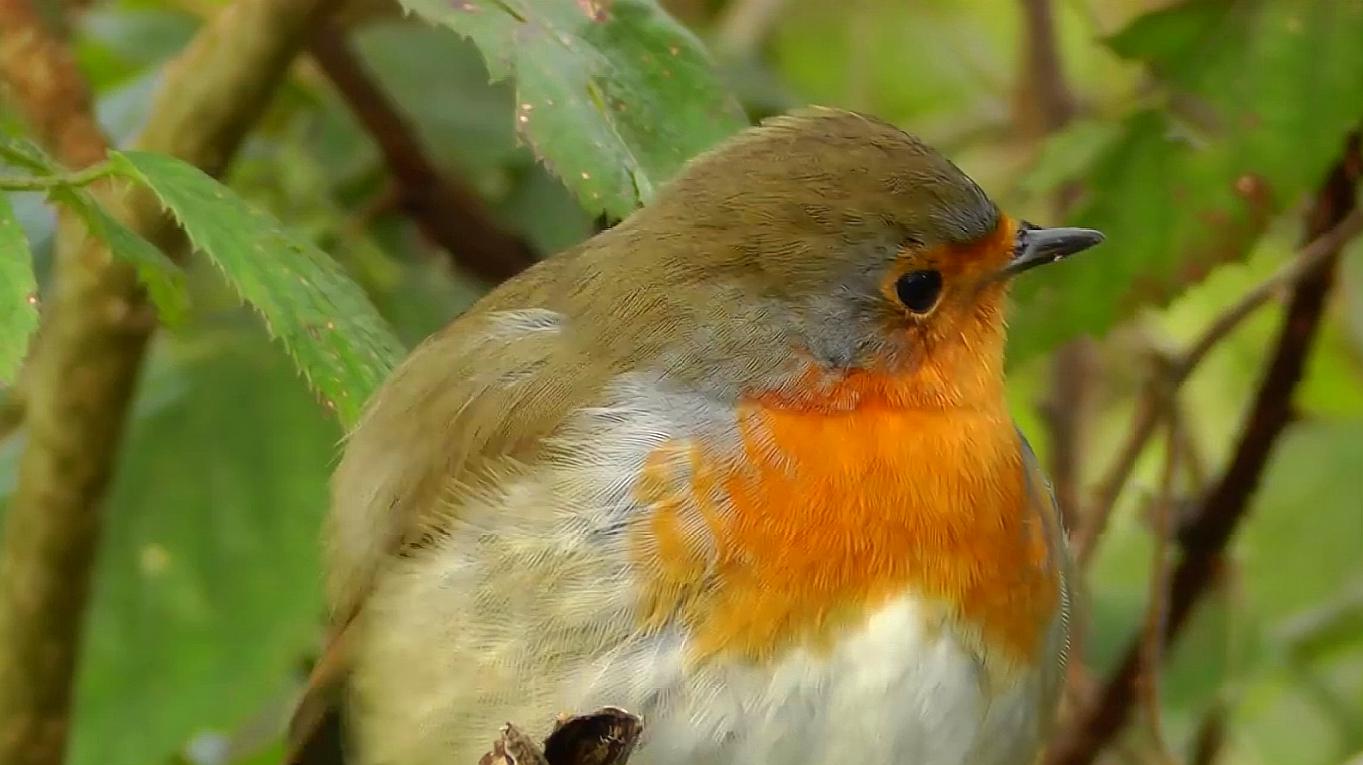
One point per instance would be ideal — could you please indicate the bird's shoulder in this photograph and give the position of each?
(484, 394)
(484, 390)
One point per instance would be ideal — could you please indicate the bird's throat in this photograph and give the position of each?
(826, 515)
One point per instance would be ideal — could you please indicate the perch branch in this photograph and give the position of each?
(452, 216)
(1330, 222)
(604, 737)
(82, 372)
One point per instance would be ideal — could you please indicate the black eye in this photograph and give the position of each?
(918, 290)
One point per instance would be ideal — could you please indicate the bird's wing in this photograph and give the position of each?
(1044, 502)
(480, 394)
(1039, 486)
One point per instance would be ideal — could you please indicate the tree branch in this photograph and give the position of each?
(50, 533)
(1205, 537)
(81, 375)
(454, 217)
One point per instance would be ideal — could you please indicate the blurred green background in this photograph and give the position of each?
(1193, 133)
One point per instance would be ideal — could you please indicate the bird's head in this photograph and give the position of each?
(868, 254)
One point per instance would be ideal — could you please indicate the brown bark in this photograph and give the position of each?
(96, 324)
(80, 373)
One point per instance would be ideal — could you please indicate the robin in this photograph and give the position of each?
(741, 464)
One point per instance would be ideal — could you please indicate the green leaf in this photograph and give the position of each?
(206, 601)
(336, 338)
(24, 153)
(164, 280)
(1301, 543)
(612, 96)
(1257, 71)
(18, 293)
(1260, 96)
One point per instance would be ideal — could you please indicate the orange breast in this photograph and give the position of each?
(828, 514)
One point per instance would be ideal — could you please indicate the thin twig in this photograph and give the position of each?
(1210, 737)
(1205, 537)
(1173, 371)
(1306, 635)
(1152, 641)
(1149, 410)
(454, 217)
(1194, 465)
(1308, 260)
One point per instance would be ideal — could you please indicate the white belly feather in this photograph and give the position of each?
(903, 690)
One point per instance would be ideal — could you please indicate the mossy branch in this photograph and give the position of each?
(82, 372)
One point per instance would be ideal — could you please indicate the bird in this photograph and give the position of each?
(741, 465)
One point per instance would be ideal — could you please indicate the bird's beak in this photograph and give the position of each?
(1037, 246)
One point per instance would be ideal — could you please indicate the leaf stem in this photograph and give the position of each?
(20, 159)
(56, 180)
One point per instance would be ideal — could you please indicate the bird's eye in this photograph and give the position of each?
(919, 290)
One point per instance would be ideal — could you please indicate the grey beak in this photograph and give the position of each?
(1039, 246)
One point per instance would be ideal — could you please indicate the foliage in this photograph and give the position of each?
(207, 592)
(613, 96)
(1202, 126)
(1235, 78)
(323, 319)
(162, 278)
